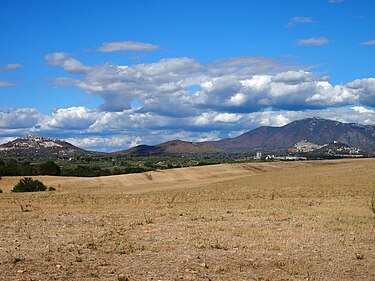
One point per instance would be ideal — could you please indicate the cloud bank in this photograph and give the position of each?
(182, 98)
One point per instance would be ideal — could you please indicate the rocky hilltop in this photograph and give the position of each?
(36, 145)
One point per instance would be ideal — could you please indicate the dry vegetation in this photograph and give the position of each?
(267, 221)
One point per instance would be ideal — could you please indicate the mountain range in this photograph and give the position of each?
(315, 130)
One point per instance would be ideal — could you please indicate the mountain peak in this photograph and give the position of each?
(312, 119)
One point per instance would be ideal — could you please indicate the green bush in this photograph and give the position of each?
(29, 185)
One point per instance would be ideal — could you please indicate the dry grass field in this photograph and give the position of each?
(266, 221)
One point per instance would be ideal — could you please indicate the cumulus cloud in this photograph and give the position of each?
(287, 90)
(297, 20)
(72, 118)
(11, 66)
(370, 42)
(18, 118)
(127, 46)
(162, 86)
(314, 41)
(101, 143)
(233, 85)
(294, 77)
(364, 89)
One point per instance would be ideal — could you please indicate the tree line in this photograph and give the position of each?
(12, 167)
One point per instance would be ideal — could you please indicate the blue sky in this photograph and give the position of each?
(107, 75)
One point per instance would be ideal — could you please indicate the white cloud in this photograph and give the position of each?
(19, 118)
(329, 95)
(72, 118)
(365, 89)
(11, 66)
(209, 118)
(314, 41)
(101, 143)
(6, 139)
(370, 42)
(294, 77)
(235, 85)
(296, 20)
(286, 90)
(127, 46)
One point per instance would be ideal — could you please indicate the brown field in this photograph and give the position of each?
(266, 221)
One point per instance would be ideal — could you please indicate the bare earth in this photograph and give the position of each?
(266, 221)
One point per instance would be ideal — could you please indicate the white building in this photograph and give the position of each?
(258, 155)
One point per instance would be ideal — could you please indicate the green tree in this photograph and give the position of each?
(49, 168)
(29, 185)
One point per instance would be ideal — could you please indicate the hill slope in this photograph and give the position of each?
(170, 148)
(36, 145)
(315, 130)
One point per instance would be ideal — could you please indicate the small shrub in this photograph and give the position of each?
(29, 185)
(1, 191)
(51, 188)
